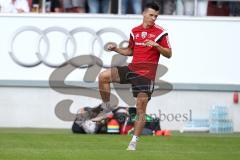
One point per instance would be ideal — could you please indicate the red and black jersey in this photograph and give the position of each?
(145, 58)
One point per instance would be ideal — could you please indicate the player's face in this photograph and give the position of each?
(150, 16)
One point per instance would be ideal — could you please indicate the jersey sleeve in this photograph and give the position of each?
(131, 42)
(162, 40)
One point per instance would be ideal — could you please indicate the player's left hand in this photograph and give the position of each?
(149, 42)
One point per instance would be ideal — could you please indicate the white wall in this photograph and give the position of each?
(35, 107)
(205, 50)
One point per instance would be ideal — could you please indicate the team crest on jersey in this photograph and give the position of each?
(144, 35)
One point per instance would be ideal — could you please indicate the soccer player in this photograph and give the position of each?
(147, 42)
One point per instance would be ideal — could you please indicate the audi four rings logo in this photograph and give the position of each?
(68, 37)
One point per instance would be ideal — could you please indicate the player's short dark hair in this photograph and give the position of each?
(152, 5)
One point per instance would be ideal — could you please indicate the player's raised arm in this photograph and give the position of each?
(123, 51)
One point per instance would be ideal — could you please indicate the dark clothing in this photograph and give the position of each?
(50, 4)
(139, 83)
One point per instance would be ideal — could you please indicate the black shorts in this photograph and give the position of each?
(139, 83)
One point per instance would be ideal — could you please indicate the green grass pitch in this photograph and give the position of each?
(61, 144)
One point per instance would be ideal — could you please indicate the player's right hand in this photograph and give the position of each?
(110, 46)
